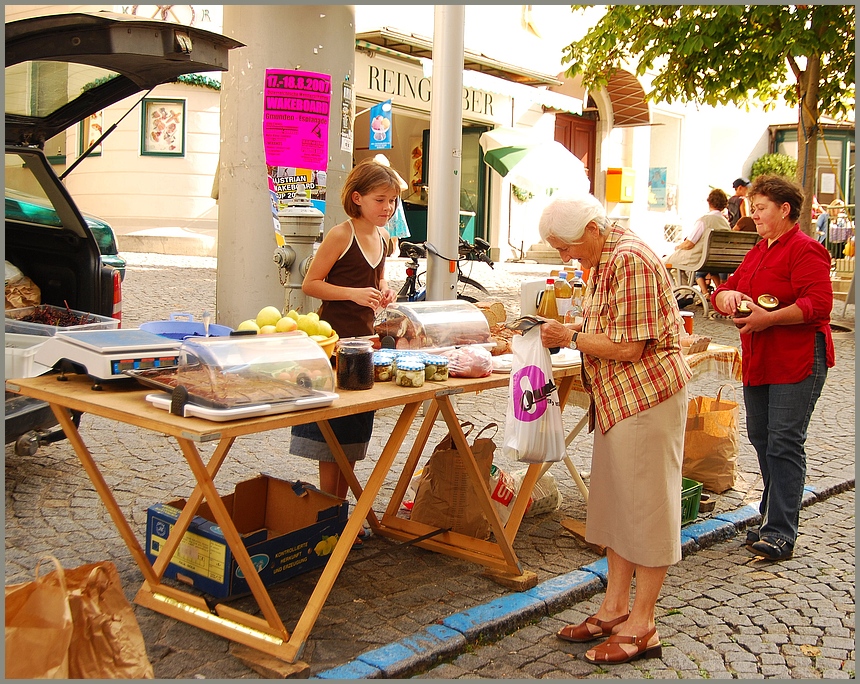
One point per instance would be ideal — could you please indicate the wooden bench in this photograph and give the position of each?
(724, 252)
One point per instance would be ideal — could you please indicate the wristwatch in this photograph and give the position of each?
(572, 344)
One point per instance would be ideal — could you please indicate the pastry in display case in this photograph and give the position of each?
(223, 378)
(433, 325)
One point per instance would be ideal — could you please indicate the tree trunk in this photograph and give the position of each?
(807, 139)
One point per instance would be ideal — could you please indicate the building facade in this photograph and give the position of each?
(652, 164)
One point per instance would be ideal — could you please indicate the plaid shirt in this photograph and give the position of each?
(629, 298)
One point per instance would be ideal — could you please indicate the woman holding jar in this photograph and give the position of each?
(787, 348)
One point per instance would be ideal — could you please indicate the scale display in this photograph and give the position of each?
(106, 354)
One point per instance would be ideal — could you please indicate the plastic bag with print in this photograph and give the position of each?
(533, 429)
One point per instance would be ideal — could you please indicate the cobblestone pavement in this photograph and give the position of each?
(722, 615)
(384, 593)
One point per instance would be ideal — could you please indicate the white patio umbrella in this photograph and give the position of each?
(538, 166)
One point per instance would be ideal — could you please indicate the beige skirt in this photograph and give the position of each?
(634, 498)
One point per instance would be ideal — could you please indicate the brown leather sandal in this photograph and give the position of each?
(610, 652)
(581, 633)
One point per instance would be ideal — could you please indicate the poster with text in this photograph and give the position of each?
(296, 111)
(287, 181)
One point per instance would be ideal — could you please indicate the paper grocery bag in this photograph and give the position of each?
(106, 641)
(38, 627)
(711, 442)
(446, 497)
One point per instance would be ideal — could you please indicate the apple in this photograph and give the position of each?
(319, 338)
(250, 324)
(314, 316)
(269, 315)
(268, 330)
(292, 313)
(286, 324)
(325, 328)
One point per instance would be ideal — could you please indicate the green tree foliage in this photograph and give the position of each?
(780, 164)
(731, 54)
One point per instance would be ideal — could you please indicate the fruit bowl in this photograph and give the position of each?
(328, 344)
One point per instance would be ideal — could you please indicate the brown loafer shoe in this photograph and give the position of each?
(589, 630)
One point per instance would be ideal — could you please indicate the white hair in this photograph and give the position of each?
(565, 218)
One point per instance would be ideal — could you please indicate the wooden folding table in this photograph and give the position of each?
(125, 403)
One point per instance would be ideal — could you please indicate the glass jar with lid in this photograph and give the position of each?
(409, 373)
(383, 367)
(354, 364)
(435, 367)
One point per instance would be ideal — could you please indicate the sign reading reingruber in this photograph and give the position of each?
(295, 118)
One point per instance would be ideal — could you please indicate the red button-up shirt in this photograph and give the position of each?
(796, 270)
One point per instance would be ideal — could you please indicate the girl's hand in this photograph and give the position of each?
(367, 296)
(388, 297)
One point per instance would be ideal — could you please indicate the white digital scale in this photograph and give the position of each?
(105, 354)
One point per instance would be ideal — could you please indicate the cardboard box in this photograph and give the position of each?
(288, 528)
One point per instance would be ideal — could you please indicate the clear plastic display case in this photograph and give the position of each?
(225, 373)
(434, 325)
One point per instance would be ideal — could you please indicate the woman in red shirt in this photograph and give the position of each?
(786, 352)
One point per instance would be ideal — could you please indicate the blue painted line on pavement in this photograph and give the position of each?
(478, 620)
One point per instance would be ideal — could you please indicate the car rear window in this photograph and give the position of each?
(36, 89)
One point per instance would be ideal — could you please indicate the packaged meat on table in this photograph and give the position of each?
(428, 325)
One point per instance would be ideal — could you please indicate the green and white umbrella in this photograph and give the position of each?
(538, 166)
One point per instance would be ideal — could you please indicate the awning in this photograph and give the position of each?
(420, 47)
(628, 100)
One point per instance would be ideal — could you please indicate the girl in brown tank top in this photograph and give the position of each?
(348, 275)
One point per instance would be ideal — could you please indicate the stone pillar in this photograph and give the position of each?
(318, 38)
(446, 149)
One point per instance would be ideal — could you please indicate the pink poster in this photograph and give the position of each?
(295, 118)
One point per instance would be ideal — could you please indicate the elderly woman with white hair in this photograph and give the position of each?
(633, 369)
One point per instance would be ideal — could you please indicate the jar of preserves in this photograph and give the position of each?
(354, 365)
(409, 373)
(435, 367)
(383, 367)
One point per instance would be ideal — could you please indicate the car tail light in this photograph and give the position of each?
(117, 297)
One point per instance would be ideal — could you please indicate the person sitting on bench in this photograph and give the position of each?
(688, 254)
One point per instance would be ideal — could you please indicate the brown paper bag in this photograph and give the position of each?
(38, 627)
(446, 497)
(711, 442)
(107, 642)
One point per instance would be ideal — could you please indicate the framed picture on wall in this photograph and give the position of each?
(90, 130)
(162, 128)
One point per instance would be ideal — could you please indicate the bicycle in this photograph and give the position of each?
(414, 291)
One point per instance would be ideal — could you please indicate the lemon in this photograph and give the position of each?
(269, 315)
(250, 324)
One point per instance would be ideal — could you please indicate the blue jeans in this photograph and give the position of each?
(777, 419)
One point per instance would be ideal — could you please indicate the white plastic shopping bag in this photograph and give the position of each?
(533, 428)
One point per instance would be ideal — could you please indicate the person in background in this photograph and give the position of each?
(745, 224)
(633, 369)
(786, 353)
(689, 252)
(348, 275)
(397, 227)
(737, 206)
(822, 221)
